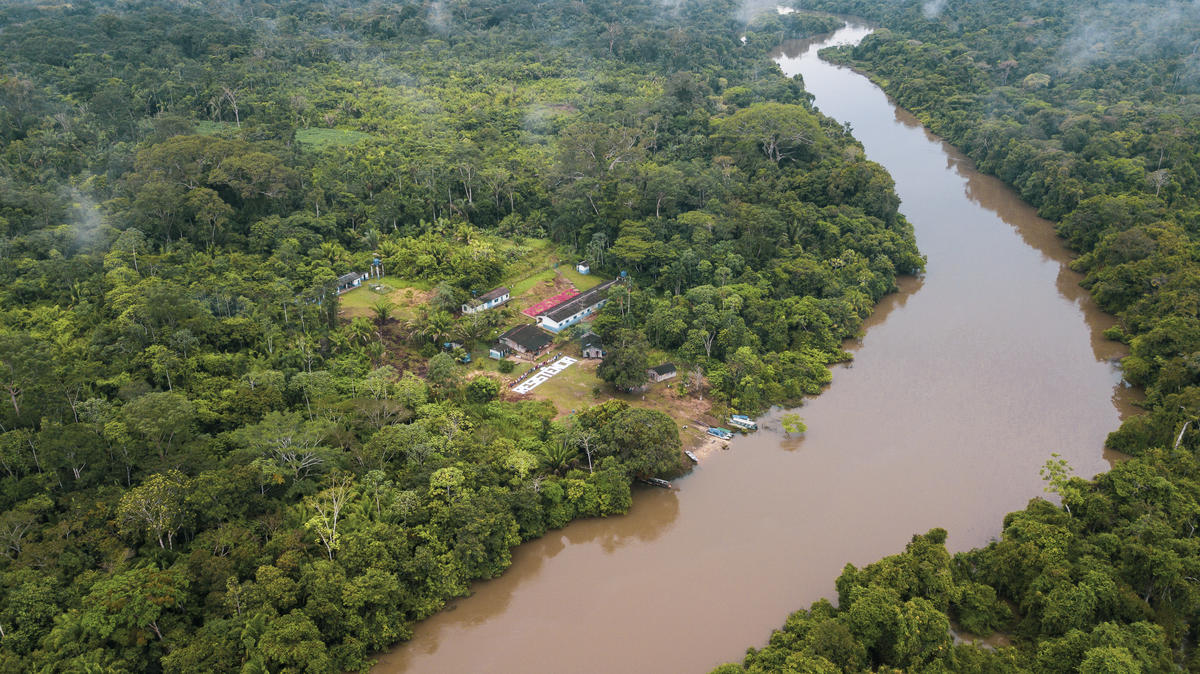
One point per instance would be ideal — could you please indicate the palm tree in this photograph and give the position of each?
(361, 332)
(375, 351)
(473, 327)
(331, 252)
(370, 240)
(384, 310)
(557, 457)
(464, 234)
(438, 327)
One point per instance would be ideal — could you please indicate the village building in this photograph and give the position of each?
(662, 372)
(583, 268)
(350, 281)
(488, 300)
(590, 345)
(564, 315)
(525, 338)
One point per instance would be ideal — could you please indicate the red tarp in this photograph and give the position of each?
(542, 306)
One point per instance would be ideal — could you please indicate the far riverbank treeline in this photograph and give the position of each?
(207, 463)
(1092, 112)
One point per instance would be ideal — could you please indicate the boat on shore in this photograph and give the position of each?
(657, 482)
(723, 433)
(688, 453)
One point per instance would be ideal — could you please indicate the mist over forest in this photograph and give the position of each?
(219, 453)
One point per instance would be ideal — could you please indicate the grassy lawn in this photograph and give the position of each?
(526, 284)
(405, 294)
(581, 281)
(531, 255)
(323, 139)
(481, 362)
(572, 388)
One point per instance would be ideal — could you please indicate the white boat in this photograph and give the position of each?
(743, 422)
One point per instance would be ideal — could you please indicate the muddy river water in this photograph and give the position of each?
(964, 383)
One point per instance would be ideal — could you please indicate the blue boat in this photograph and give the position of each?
(723, 433)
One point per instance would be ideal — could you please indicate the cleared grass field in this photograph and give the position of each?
(209, 128)
(406, 295)
(526, 284)
(581, 281)
(321, 139)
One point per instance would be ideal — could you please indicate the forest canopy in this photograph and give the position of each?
(1091, 110)
(208, 465)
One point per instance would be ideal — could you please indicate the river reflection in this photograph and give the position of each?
(963, 384)
(584, 542)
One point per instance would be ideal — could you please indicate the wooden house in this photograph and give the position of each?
(525, 338)
(662, 372)
(591, 346)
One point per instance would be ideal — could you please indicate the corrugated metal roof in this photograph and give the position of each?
(493, 294)
(578, 303)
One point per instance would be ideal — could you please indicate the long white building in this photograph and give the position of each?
(568, 313)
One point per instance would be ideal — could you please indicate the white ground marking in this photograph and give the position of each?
(544, 374)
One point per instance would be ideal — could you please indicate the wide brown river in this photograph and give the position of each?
(964, 383)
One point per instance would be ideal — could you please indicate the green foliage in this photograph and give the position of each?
(324, 139)
(482, 389)
(1087, 109)
(626, 360)
(206, 467)
(792, 423)
(645, 441)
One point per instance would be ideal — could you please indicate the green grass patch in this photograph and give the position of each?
(210, 128)
(523, 286)
(362, 297)
(581, 281)
(481, 361)
(571, 389)
(323, 139)
(406, 296)
(416, 284)
(524, 257)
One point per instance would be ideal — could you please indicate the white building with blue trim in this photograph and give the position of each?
(350, 281)
(568, 313)
(488, 300)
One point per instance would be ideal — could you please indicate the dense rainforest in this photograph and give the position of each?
(206, 464)
(1091, 110)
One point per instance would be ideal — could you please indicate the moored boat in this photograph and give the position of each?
(723, 433)
(743, 422)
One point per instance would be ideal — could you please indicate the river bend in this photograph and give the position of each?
(964, 383)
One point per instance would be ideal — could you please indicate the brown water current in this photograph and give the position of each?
(964, 383)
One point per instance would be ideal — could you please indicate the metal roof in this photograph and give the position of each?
(493, 294)
(529, 336)
(578, 303)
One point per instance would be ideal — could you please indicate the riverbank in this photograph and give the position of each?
(936, 425)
